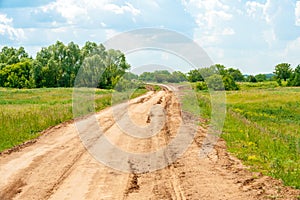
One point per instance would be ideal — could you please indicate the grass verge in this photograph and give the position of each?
(262, 129)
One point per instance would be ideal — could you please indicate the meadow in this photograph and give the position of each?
(24, 113)
(262, 128)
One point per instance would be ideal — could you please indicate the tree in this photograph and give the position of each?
(236, 74)
(260, 77)
(71, 63)
(221, 69)
(209, 71)
(91, 71)
(295, 77)
(283, 71)
(9, 56)
(229, 83)
(194, 75)
(115, 67)
(215, 82)
(147, 76)
(130, 76)
(47, 69)
(251, 79)
(177, 77)
(17, 75)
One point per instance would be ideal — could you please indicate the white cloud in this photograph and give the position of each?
(7, 29)
(4, 19)
(110, 33)
(291, 52)
(266, 11)
(253, 8)
(297, 13)
(122, 9)
(213, 18)
(228, 31)
(270, 37)
(77, 10)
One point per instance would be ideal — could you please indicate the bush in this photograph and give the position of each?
(201, 86)
(215, 82)
(229, 83)
(124, 85)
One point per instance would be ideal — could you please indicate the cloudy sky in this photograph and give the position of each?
(250, 35)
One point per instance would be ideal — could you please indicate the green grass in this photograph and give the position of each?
(259, 85)
(262, 129)
(25, 113)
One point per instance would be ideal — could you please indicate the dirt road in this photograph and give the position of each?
(58, 166)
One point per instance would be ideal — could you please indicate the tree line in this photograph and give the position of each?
(57, 66)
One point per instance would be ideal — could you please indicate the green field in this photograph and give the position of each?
(262, 129)
(24, 113)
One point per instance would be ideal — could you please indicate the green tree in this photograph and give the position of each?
(295, 77)
(91, 71)
(177, 77)
(130, 76)
(215, 82)
(10, 55)
(221, 69)
(115, 67)
(261, 77)
(71, 63)
(194, 75)
(251, 79)
(283, 71)
(236, 74)
(229, 83)
(147, 76)
(57, 65)
(17, 75)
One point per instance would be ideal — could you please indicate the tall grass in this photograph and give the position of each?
(25, 113)
(262, 129)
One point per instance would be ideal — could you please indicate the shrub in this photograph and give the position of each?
(229, 83)
(201, 86)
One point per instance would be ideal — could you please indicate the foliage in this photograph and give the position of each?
(201, 86)
(295, 77)
(260, 77)
(217, 77)
(124, 85)
(283, 71)
(215, 82)
(251, 79)
(229, 83)
(9, 56)
(235, 74)
(130, 76)
(58, 65)
(194, 75)
(161, 76)
(17, 75)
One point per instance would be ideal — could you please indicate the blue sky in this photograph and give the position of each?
(250, 35)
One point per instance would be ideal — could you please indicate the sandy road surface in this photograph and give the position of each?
(58, 166)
